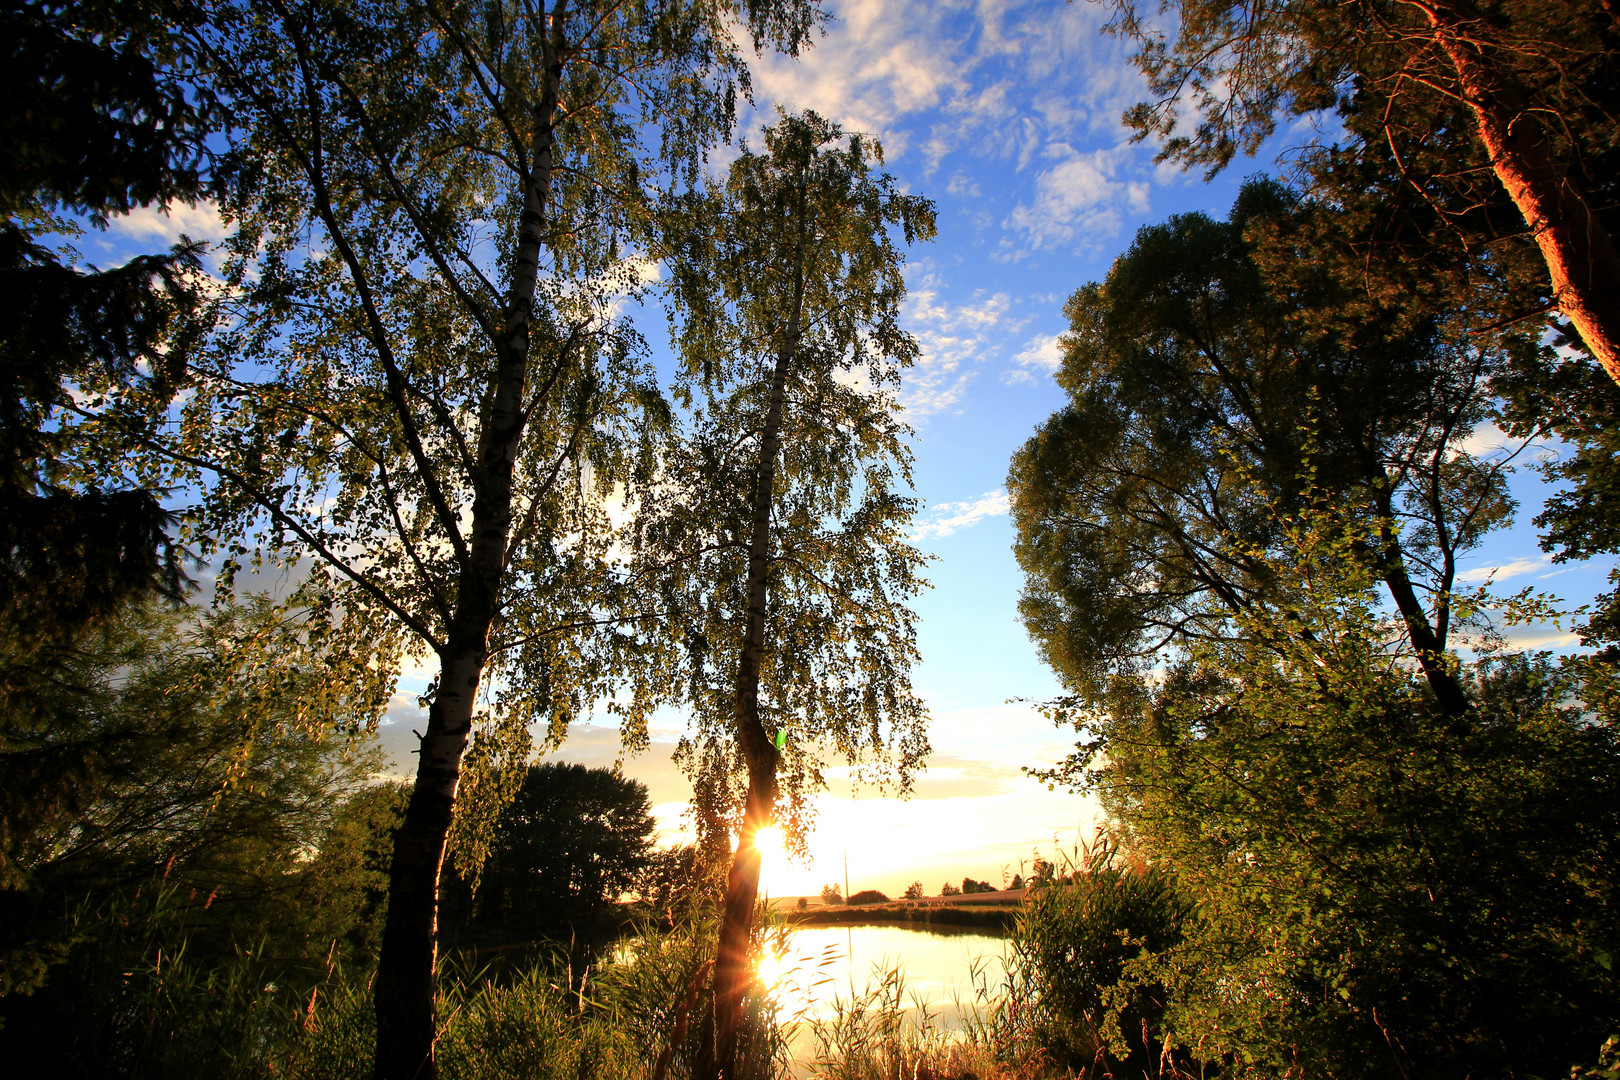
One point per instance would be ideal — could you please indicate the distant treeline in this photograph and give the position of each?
(981, 916)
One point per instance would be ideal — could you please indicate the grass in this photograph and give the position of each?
(634, 1014)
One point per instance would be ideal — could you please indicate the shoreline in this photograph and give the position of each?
(999, 918)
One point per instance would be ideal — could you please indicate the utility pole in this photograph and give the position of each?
(846, 875)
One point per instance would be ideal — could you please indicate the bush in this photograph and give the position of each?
(1083, 949)
(869, 896)
(1383, 891)
(831, 895)
(914, 891)
(948, 889)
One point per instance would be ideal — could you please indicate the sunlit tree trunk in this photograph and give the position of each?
(1582, 261)
(732, 972)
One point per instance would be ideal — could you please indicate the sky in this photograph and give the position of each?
(1007, 115)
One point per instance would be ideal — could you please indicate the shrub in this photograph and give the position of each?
(914, 891)
(831, 895)
(1082, 949)
(869, 896)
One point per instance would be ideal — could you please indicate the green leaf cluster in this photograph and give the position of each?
(810, 225)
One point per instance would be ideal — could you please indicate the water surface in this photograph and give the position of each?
(827, 967)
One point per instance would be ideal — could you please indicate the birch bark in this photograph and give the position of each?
(405, 985)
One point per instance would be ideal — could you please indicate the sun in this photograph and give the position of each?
(775, 868)
(772, 843)
(773, 967)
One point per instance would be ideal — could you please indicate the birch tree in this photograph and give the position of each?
(780, 529)
(420, 386)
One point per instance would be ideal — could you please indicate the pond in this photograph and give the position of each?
(824, 967)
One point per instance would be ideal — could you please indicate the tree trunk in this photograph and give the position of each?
(732, 972)
(405, 984)
(1582, 261)
(1429, 646)
(1431, 651)
(404, 989)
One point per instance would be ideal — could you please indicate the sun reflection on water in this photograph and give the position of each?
(793, 976)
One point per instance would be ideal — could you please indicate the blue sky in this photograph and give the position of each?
(1007, 114)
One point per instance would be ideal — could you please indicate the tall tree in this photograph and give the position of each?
(570, 844)
(1205, 393)
(1452, 89)
(419, 384)
(779, 533)
(105, 113)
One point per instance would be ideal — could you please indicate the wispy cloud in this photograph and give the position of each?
(1043, 354)
(952, 336)
(882, 60)
(999, 78)
(947, 518)
(1081, 200)
(1516, 568)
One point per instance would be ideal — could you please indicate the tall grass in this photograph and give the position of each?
(637, 1013)
(639, 1010)
(1070, 998)
(1048, 1010)
(1081, 987)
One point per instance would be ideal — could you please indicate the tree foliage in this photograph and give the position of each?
(803, 227)
(1376, 894)
(210, 762)
(1210, 404)
(574, 841)
(776, 539)
(1495, 122)
(104, 114)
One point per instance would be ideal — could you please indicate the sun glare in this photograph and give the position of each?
(773, 968)
(771, 842)
(775, 868)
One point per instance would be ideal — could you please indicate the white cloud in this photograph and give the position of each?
(951, 336)
(1043, 353)
(947, 518)
(1531, 640)
(974, 65)
(880, 61)
(1516, 568)
(1080, 200)
(147, 223)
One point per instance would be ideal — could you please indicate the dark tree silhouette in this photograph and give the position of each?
(573, 841)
